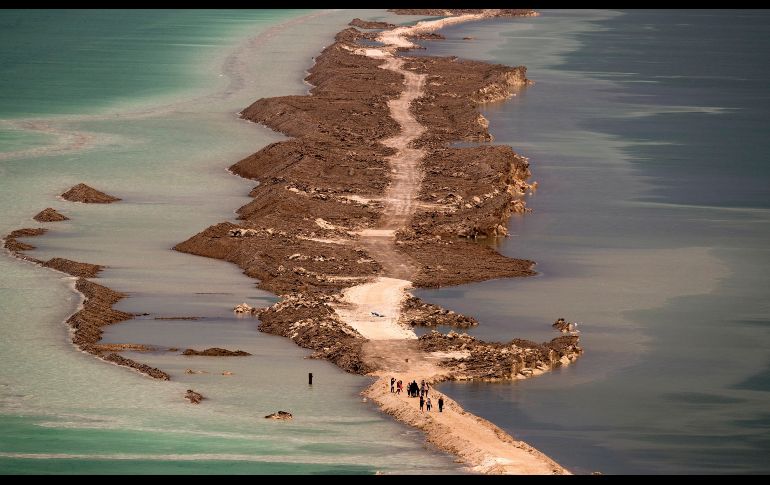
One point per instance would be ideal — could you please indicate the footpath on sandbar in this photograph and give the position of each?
(367, 200)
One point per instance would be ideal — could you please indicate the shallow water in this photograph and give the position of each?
(649, 227)
(143, 105)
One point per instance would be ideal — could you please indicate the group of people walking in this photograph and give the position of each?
(417, 390)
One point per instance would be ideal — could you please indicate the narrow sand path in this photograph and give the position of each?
(386, 294)
(405, 178)
(383, 296)
(393, 348)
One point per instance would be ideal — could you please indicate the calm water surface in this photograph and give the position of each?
(647, 132)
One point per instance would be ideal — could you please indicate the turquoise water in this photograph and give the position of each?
(87, 60)
(143, 105)
(647, 132)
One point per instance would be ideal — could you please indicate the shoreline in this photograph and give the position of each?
(94, 309)
(344, 218)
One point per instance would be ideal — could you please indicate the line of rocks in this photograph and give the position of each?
(97, 309)
(417, 313)
(497, 361)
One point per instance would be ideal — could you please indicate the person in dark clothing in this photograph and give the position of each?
(422, 402)
(440, 404)
(392, 382)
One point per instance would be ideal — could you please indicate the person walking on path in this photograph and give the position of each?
(392, 381)
(399, 386)
(428, 405)
(422, 402)
(440, 404)
(422, 388)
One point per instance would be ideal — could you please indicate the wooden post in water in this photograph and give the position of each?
(310, 378)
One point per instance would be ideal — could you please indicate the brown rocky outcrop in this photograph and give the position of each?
(267, 255)
(96, 313)
(474, 190)
(123, 348)
(446, 12)
(280, 415)
(346, 107)
(448, 262)
(495, 360)
(368, 24)
(564, 326)
(312, 324)
(194, 397)
(453, 90)
(417, 313)
(89, 195)
(426, 36)
(16, 247)
(309, 163)
(216, 352)
(50, 215)
(84, 270)
(153, 372)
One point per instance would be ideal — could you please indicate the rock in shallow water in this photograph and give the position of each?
(50, 215)
(89, 195)
(216, 352)
(194, 397)
(280, 415)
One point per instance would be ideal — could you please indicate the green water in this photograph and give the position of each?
(82, 61)
(82, 451)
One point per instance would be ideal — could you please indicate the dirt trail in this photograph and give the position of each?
(394, 349)
(405, 178)
(399, 204)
